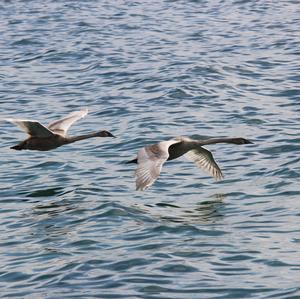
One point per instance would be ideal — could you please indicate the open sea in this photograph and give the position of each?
(72, 224)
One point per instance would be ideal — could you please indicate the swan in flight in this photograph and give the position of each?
(43, 138)
(150, 159)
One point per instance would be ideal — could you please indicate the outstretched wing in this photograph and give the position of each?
(32, 127)
(204, 159)
(61, 126)
(150, 161)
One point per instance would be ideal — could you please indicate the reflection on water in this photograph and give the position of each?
(72, 224)
(52, 222)
(209, 211)
(201, 212)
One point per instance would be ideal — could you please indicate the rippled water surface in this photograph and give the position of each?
(72, 224)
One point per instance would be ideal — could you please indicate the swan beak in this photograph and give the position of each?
(108, 134)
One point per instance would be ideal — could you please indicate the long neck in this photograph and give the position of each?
(217, 140)
(81, 137)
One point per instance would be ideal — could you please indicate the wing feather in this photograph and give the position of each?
(150, 161)
(32, 127)
(204, 159)
(61, 126)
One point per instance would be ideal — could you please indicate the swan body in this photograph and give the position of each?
(43, 138)
(150, 159)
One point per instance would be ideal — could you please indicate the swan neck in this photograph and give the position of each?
(81, 137)
(216, 140)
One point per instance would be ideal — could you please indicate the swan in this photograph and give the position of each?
(43, 138)
(150, 159)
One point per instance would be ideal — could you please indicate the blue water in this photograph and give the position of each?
(72, 224)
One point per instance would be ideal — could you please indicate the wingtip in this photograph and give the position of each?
(7, 120)
(11, 120)
(82, 113)
(220, 178)
(141, 188)
(85, 111)
(16, 147)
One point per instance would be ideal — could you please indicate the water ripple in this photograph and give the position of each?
(72, 225)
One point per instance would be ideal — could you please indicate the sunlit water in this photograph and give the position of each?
(72, 224)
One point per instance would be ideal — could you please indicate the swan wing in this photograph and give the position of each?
(61, 126)
(150, 161)
(204, 159)
(32, 127)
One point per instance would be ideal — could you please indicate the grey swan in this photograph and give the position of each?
(151, 158)
(43, 138)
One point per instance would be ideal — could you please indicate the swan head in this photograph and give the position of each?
(105, 134)
(241, 141)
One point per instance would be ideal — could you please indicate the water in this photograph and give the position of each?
(72, 225)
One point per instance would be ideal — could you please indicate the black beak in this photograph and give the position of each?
(248, 141)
